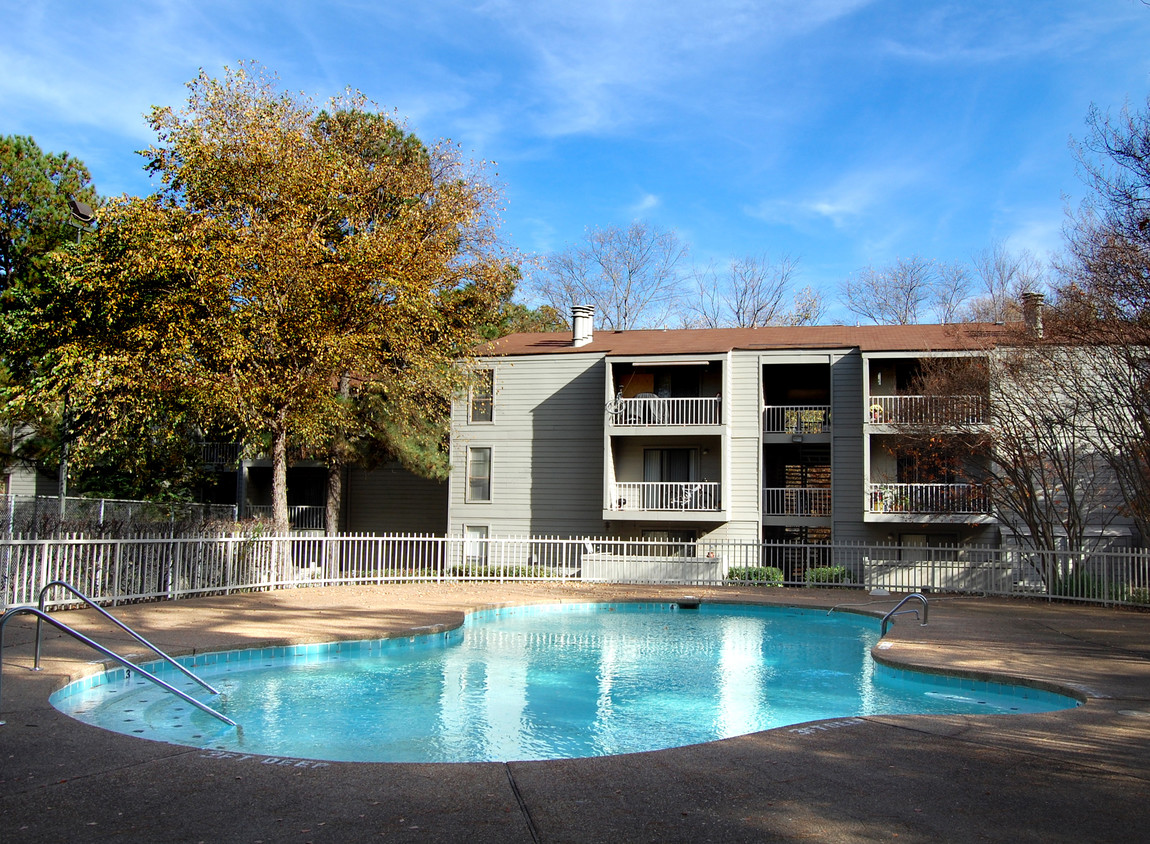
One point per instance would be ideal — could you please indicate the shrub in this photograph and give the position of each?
(1082, 584)
(829, 574)
(1139, 595)
(756, 575)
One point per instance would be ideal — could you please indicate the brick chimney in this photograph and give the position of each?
(1032, 305)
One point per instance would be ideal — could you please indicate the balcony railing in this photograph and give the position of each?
(797, 419)
(796, 501)
(653, 410)
(299, 517)
(220, 454)
(693, 496)
(928, 499)
(926, 410)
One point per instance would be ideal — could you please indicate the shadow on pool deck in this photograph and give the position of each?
(1077, 775)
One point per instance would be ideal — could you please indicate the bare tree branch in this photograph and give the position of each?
(630, 275)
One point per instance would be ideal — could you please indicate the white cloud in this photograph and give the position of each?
(598, 64)
(1041, 235)
(973, 34)
(646, 203)
(852, 197)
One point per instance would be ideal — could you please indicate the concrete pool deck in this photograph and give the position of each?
(1076, 775)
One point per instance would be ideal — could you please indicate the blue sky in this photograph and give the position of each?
(846, 133)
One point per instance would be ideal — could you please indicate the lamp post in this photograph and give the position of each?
(82, 219)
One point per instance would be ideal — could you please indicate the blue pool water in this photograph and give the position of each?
(543, 682)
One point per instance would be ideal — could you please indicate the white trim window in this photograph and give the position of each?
(481, 404)
(475, 544)
(479, 473)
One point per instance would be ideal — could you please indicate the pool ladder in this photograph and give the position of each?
(42, 616)
(925, 607)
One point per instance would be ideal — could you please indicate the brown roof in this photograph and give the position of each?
(698, 341)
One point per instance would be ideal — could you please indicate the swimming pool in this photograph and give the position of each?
(540, 682)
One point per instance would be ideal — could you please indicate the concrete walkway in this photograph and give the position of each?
(1077, 775)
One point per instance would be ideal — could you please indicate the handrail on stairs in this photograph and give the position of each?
(42, 616)
(925, 608)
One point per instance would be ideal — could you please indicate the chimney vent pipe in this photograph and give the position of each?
(582, 324)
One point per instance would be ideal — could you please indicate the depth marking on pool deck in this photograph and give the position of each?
(827, 725)
(265, 760)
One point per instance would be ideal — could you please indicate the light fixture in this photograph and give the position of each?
(82, 216)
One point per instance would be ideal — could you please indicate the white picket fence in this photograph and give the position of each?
(113, 571)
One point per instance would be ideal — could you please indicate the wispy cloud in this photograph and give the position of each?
(596, 65)
(964, 34)
(851, 197)
(102, 64)
(647, 202)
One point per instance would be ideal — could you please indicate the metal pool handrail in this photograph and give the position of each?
(65, 585)
(925, 608)
(43, 616)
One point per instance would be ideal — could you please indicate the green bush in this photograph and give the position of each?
(756, 575)
(829, 574)
(1082, 584)
(1139, 595)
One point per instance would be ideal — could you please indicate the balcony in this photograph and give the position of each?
(649, 409)
(220, 454)
(300, 517)
(797, 419)
(682, 497)
(943, 411)
(928, 499)
(811, 502)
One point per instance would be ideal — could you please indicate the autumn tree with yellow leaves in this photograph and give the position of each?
(293, 259)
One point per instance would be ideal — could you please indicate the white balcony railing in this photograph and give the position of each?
(653, 410)
(300, 517)
(692, 496)
(797, 419)
(928, 499)
(926, 410)
(792, 501)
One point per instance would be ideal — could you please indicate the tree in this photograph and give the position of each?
(1005, 278)
(1033, 451)
(751, 294)
(288, 249)
(906, 292)
(34, 221)
(34, 213)
(514, 317)
(1103, 296)
(630, 275)
(1109, 238)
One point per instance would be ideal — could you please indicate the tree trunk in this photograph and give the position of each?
(279, 482)
(335, 465)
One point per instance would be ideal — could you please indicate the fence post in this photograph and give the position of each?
(119, 556)
(44, 578)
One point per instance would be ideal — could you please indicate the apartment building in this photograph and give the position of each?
(781, 433)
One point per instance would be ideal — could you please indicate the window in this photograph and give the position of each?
(670, 543)
(483, 396)
(670, 465)
(475, 544)
(479, 474)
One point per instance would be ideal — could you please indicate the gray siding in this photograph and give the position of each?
(25, 481)
(847, 449)
(393, 500)
(546, 445)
